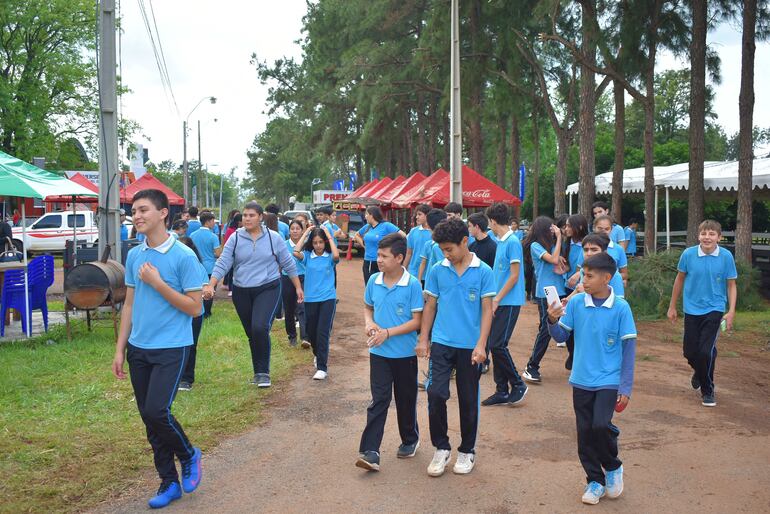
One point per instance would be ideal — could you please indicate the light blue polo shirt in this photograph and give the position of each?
(372, 236)
(333, 228)
(631, 238)
(616, 252)
(599, 335)
(319, 277)
(575, 257)
(432, 254)
(520, 234)
(458, 316)
(206, 242)
(283, 229)
(394, 306)
(299, 263)
(544, 274)
(509, 251)
(618, 234)
(616, 283)
(416, 241)
(192, 227)
(155, 323)
(705, 285)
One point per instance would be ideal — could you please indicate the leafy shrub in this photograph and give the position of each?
(651, 279)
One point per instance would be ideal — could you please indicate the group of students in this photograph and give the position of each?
(465, 310)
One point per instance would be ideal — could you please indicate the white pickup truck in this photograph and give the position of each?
(52, 230)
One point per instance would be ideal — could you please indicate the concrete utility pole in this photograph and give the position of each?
(109, 183)
(185, 192)
(456, 140)
(199, 182)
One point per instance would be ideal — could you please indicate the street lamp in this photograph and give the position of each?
(315, 182)
(184, 144)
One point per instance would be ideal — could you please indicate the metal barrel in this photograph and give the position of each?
(92, 284)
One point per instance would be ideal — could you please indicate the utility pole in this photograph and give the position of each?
(456, 139)
(199, 182)
(109, 184)
(185, 191)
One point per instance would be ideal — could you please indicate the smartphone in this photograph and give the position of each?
(551, 295)
(723, 325)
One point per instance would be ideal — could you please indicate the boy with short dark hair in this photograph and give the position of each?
(454, 210)
(193, 224)
(630, 232)
(206, 243)
(483, 245)
(602, 373)
(431, 252)
(454, 332)
(707, 274)
(164, 280)
(393, 314)
(509, 282)
(283, 227)
(617, 235)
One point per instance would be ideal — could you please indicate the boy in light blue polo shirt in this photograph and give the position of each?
(630, 232)
(509, 278)
(164, 283)
(193, 224)
(416, 239)
(206, 243)
(454, 332)
(707, 274)
(602, 373)
(393, 314)
(431, 252)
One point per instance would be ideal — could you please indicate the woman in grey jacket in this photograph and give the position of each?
(257, 256)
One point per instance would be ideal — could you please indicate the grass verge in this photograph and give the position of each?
(71, 434)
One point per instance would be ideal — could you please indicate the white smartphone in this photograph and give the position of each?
(551, 295)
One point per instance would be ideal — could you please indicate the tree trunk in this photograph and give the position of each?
(620, 146)
(746, 143)
(474, 133)
(422, 136)
(587, 119)
(695, 192)
(515, 156)
(409, 164)
(650, 243)
(536, 167)
(432, 136)
(502, 126)
(560, 179)
(447, 138)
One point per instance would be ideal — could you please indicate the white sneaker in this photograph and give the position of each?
(315, 362)
(320, 375)
(438, 464)
(230, 294)
(561, 345)
(464, 463)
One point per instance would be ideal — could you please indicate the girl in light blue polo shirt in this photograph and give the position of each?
(317, 251)
(544, 245)
(294, 312)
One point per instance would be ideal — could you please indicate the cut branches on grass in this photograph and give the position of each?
(72, 436)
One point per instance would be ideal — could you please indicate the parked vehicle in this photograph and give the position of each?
(52, 230)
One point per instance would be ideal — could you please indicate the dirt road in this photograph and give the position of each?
(678, 455)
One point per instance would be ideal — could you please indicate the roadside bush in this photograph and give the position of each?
(652, 277)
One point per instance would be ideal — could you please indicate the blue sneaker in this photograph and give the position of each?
(192, 472)
(614, 481)
(593, 492)
(168, 492)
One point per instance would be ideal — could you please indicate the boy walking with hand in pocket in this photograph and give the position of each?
(602, 372)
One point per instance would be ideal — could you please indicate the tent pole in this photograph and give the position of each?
(74, 232)
(668, 223)
(27, 313)
(570, 203)
(655, 242)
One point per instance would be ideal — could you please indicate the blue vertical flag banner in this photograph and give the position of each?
(375, 174)
(353, 180)
(522, 182)
(338, 185)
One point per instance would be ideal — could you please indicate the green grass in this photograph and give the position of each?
(71, 434)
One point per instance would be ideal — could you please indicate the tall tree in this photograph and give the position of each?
(696, 192)
(746, 126)
(587, 115)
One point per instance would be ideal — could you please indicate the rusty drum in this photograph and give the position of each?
(93, 284)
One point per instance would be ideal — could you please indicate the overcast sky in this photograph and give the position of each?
(207, 46)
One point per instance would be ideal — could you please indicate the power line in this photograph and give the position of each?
(163, 56)
(160, 60)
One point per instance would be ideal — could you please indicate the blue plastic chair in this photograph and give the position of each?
(41, 277)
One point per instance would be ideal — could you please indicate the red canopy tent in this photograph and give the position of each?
(369, 193)
(363, 188)
(147, 181)
(409, 196)
(81, 180)
(381, 192)
(478, 191)
(405, 186)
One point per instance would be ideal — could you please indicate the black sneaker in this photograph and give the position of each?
(496, 399)
(406, 451)
(517, 394)
(184, 386)
(369, 461)
(293, 341)
(694, 382)
(531, 375)
(485, 368)
(568, 363)
(261, 380)
(709, 400)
